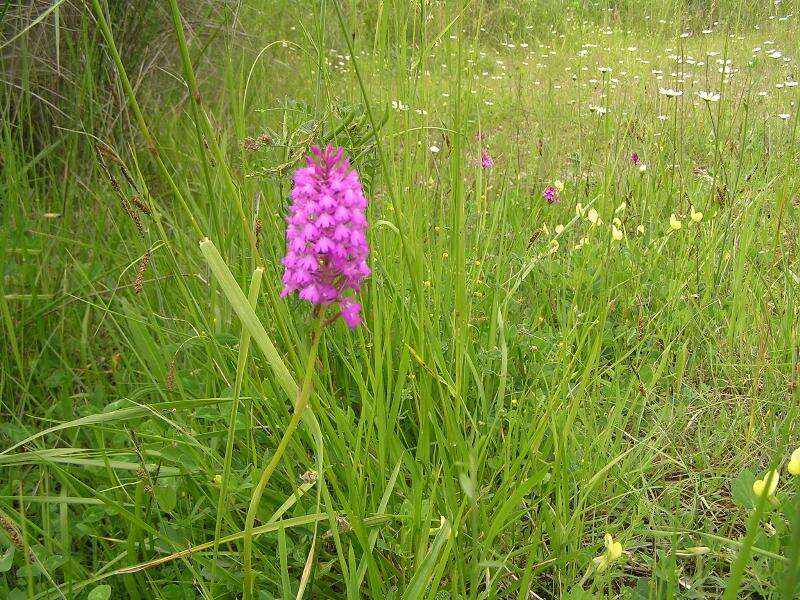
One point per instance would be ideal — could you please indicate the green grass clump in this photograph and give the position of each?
(530, 378)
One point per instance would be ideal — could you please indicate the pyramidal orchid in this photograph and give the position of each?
(551, 195)
(326, 244)
(325, 263)
(486, 159)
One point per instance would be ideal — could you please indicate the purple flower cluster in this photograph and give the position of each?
(486, 159)
(326, 243)
(635, 159)
(551, 195)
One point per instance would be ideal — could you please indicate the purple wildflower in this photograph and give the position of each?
(486, 159)
(551, 195)
(635, 159)
(326, 245)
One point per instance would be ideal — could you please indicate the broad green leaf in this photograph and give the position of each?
(167, 497)
(7, 560)
(742, 489)
(101, 592)
(248, 316)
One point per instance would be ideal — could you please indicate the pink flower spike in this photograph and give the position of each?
(551, 195)
(486, 159)
(326, 234)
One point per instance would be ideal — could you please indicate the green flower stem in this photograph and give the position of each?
(300, 405)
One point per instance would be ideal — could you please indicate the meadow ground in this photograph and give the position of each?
(578, 362)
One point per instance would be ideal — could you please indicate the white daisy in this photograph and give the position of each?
(670, 93)
(709, 96)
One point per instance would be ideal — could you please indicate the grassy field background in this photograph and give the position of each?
(529, 377)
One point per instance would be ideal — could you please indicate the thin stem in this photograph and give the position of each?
(300, 405)
(408, 249)
(244, 348)
(746, 548)
(137, 113)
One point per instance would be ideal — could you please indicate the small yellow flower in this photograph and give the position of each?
(445, 255)
(640, 229)
(559, 228)
(593, 217)
(217, 479)
(621, 207)
(616, 233)
(579, 209)
(766, 486)
(612, 553)
(554, 245)
(794, 463)
(674, 222)
(559, 185)
(696, 216)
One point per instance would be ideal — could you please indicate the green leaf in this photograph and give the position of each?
(467, 485)
(167, 497)
(7, 560)
(578, 593)
(419, 582)
(248, 316)
(57, 378)
(28, 570)
(51, 563)
(101, 592)
(742, 489)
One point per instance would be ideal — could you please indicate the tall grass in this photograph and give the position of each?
(523, 383)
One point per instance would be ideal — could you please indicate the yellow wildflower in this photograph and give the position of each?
(767, 485)
(612, 553)
(794, 463)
